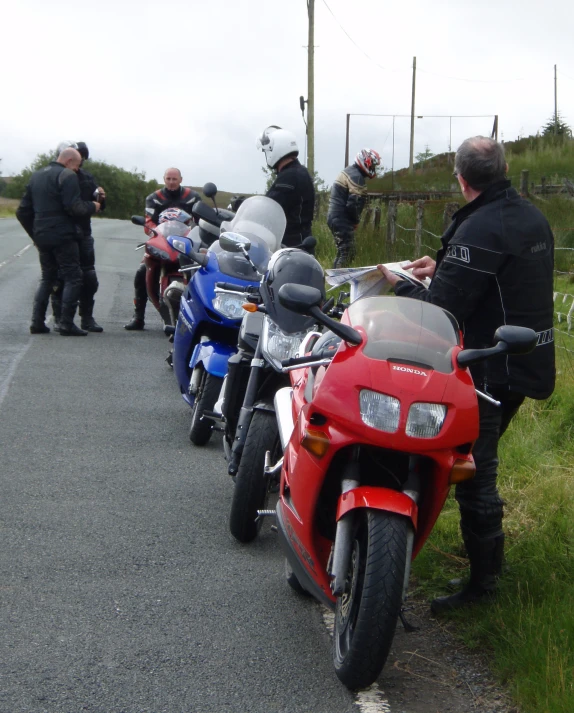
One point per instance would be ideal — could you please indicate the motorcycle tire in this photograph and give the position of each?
(201, 429)
(252, 486)
(366, 614)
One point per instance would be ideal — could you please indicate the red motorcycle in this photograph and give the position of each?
(373, 438)
(165, 282)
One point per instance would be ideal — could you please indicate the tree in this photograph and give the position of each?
(556, 126)
(424, 156)
(126, 191)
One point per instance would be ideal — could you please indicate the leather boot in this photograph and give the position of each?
(87, 319)
(70, 296)
(41, 299)
(137, 321)
(485, 556)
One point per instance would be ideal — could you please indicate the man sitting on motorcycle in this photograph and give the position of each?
(173, 195)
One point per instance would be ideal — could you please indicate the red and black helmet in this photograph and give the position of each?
(368, 160)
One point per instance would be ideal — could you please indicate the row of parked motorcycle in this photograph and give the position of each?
(352, 417)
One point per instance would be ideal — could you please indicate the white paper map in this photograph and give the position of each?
(368, 281)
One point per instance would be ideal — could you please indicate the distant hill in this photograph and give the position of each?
(541, 156)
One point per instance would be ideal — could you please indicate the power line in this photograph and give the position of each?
(466, 79)
(396, 71)
(380, 66)
(565, 75)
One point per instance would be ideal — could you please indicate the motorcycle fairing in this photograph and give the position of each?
(378, 499)
(213, 356)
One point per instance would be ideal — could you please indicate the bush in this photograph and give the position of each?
(126, 191)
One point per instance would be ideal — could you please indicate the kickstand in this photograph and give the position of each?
(409, 628)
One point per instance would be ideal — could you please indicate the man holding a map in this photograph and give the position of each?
(495, 267)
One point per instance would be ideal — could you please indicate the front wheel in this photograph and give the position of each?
(205, 399)
(252, 486)
(366, 614)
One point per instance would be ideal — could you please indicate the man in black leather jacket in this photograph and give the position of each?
(346, 203)
(173, 195)
(293, 187)
(48, 213)
(495, 267)
(89, 191)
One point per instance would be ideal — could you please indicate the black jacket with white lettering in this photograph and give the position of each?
(496, 267)
(293, 190)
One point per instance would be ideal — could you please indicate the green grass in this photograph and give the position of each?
(8, 207)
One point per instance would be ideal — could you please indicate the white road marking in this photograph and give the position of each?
(372, 699)
(18, 254)
(13, 356)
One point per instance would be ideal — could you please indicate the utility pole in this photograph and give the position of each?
(555, 103)
(411, 165)
(347, 141)
(311, 90)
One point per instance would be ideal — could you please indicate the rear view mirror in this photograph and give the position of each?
(299, 298)
(309, 243)
(138, 220)
(518, 340)
(303, 299)
(508, 340)
(234, 242)
(210, 190)
(182, 245)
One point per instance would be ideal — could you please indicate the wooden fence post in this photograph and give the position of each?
(449, 210)
(420, 208)
(543, 185)
(524, 183)
(391, 222)
(367, 215)
(377, 217)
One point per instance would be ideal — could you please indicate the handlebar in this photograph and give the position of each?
(232, 287)
(310, 358)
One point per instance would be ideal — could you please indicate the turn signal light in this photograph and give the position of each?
(316, 442)
(462, 470)
(249, 307)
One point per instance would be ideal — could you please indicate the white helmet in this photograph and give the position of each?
(66, 145)
(276, 143)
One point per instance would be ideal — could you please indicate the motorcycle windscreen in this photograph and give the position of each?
(172, 227)
(237, 265)
(406, 330)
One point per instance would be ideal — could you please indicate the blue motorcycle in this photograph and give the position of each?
(211, 311)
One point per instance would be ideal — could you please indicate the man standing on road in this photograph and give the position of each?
(348, 196)
(293, 187)
(173, 195)
(495, 267)
(89, 191)
(48, 213)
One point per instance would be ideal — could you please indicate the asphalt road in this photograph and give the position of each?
(121, 589)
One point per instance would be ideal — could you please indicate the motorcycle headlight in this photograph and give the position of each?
(425, 420)
(230, 306)
(379, 410)
(276, 345)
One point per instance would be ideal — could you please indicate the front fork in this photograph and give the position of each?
(340, 558)
(246, 412)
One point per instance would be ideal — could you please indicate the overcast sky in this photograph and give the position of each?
(191, 84)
